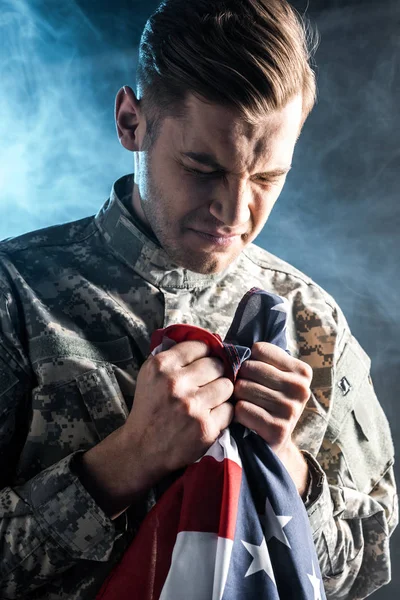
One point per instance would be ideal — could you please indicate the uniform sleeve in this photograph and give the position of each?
(50, 522)
(353, 505)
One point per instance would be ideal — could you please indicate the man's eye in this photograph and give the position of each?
(207, 174)
(203, 173)
(268, 182)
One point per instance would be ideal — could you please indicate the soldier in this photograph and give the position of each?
(89, 425)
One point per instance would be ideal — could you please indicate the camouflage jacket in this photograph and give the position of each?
(78, 304)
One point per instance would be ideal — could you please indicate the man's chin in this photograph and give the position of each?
(201, 258)
(205, 264)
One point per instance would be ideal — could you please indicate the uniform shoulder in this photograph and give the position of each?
(320, 326)
(266, 260)
(55, 235)
(272, 264)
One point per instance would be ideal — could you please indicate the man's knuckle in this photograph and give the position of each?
(229, 387)
(160, 364)
(297, 388)
(184, 409)
(258, 348)
(304, 369)
(218, 365)
(240, 407)
(303, 392)
(175, 389)
(240, 386)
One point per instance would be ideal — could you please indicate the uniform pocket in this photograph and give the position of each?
(74, 416)
(103, 399)
(357, 422)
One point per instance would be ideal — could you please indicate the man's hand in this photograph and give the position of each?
(272, 390)
(180, 406)
(179, 409)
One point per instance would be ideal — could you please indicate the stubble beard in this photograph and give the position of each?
(204, 262)
(186, 258)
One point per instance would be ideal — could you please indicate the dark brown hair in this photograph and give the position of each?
(253, 55)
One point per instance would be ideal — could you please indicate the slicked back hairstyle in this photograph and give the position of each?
(252, 55)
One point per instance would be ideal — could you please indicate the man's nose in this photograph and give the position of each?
(232, 205)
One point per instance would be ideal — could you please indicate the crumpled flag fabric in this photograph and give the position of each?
(232, 526)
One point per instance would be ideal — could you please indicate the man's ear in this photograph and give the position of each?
(128, 119)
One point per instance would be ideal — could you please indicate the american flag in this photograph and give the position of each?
(232, 526)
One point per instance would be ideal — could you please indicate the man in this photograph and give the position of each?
(89, 426)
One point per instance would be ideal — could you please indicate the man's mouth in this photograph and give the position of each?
(216, 238)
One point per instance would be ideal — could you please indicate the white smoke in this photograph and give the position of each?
(338, 218)
(58, 149)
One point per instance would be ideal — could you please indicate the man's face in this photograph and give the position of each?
(209, 183)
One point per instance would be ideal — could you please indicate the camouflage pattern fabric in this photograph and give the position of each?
(78, 305)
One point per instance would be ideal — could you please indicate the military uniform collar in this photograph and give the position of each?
(140, 249)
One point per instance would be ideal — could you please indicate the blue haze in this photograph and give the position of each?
(338, 218)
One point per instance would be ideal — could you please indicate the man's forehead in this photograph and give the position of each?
(223, 123)
(222, 133)
(228, 139)
(229, 148)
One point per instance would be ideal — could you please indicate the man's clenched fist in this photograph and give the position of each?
(272, 390)
(180, 406)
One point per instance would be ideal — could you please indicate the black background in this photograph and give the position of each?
(338, 218)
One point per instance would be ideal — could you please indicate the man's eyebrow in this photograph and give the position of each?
(205, 159)
(208, 160)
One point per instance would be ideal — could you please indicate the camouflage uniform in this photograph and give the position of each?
(78, 303)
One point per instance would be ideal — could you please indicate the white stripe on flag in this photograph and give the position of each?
(224, 447)
(199, 567)
(222, 562)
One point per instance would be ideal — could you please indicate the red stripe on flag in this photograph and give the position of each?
(211, 496)
(205, 499)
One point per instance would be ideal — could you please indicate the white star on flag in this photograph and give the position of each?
(274, 524)
(261, 559)
(248, 431)
(316, 583)
(282, 307)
